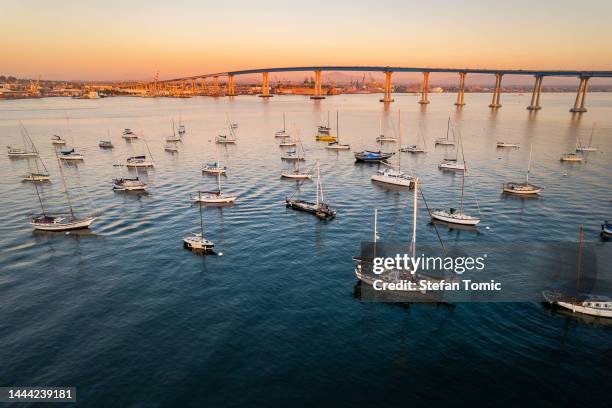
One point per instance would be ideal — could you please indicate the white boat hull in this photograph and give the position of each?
(396, 181)
(586, 149)
(134, 165)
(214, 199)
(451, 166)
(456, 218)
(338, 147)
(587, 310)
(77, 224)
(72, 158)
(296, 176)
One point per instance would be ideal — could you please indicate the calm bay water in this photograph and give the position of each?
(131, 319)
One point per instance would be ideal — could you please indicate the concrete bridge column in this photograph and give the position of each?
(535, 96)
(461, 92)
(581, 95)
(203, 87)
(495, 103)
(231, 90)
(318, 94)
(425, 89)
(388, 87)
(265, 86)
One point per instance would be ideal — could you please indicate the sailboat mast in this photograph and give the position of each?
(337, 127)
(447, 127)
(59, 163)
(219, 182)
(283, 121)
(399, 144)
(591, 137)
(579, 262)
(380, 126)
(173, 130)
(375, 225)
(414, 217)
(42, 207)
(201, 218)
(318, 183)
(147, 145)
(529, 165)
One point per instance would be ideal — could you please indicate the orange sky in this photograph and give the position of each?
(113, 39)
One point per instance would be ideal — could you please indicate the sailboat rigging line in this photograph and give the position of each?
(300, 182)
(434, 225)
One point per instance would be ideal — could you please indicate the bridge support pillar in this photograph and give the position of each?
(425, 89)
(231, 89)
(318, 94)
(461, 92)
(265, 86)
(203, 87)
(495, 103)
(583, 88)
(388, 87)
(535, 96)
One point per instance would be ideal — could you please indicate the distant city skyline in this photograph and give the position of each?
(114, 40)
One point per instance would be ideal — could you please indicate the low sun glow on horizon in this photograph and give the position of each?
(116, 40)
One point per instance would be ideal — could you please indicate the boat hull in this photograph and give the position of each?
(581, 308)
(221, 199)
(521, 189)
(76, 224)
(396, 181)
(449, 218)
(320, 212)
(338, 147)
(296, 176)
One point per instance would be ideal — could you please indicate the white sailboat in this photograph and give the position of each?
(381, 138)
(420, 147)
(171, 147)
(295, 172)
(173, 137)
(453, 216)
(227, 138)
(445, 141)
(129, 183)
(196, 241)
(181, 127)
(35, 173)
(128, 134)
(508, 144)
(336, 145)
(393, 174)
(390, 276)
(214, 197)
(214, 168)
(294, 154)
(524, 188)
(320, 208)
(282, 133)
(60, 222)
(140, 160)
(588, 304)
(57, 140)
(589, 147)
(28, 150)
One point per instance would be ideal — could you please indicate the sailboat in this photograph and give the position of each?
(214, 197)
(181, 127)
(416, 148)
(28, 150)
(453, 216)
(324, 132)
(382, 138)
(453, 164)
(174, 137)
(128, 134)
(372, 156)
(129, 183)
(395, 175)
(319, 208)
(587, 148)
(445, 140)
(588, 304)
(570, 157)
(336, 145)
(287, 142)
(294, 154)
(48, 222)
(35, 174)
(227, 139)
(195, 241)
(171, 147)
(57, 140)
(214, 168)
(283, 132)
(523, 188)
(606, 229)
(295, 173)
(393, 275)
(140, 160)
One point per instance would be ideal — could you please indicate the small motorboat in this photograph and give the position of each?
(453, 216)
(452, 164)
(570, 157)
(395, 177)
(70, 155)
(371, 156)
(507, 144)
(138, 161)
(56, 140)
(592, 305)
(105, 144)
(128, 134)
(606, 228)
(129, 184)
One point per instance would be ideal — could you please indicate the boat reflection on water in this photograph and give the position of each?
(76, 234)
(453, 226)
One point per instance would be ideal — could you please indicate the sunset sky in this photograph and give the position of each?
(111, 39)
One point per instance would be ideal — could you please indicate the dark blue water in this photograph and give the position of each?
(131, 319)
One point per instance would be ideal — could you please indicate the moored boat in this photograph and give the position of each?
(319, 208)
(371, 156)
